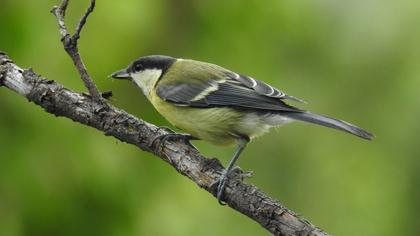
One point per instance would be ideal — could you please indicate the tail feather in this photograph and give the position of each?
(329, 122)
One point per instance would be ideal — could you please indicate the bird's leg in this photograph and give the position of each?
(222, 181)
(172, 136)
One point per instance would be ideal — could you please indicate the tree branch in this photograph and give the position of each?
(71, 47)
(243, 197)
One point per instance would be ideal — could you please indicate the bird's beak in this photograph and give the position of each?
(121, 74)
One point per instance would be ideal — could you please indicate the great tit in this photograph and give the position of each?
(217, 105)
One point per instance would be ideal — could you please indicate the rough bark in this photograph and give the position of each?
(243, 197)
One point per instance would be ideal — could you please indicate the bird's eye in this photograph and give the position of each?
(138, 67)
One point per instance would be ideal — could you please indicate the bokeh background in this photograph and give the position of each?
(355, 60)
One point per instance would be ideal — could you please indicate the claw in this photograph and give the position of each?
(221, 188)
(238, 173)
(172, 136)
(235, 173)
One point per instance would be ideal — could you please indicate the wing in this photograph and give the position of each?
(213, 86)
(260, 87)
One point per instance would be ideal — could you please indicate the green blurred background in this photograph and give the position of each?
(355, 60)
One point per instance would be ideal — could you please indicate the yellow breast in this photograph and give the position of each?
(215, 125)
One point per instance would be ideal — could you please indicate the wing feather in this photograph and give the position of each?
(261, 87)
(231, 95)
(213, 86)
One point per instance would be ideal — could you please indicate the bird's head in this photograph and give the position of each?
(145, 71)
(144, 68)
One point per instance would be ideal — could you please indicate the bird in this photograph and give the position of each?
(217, 105)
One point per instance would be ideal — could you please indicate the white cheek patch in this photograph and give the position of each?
(147, 79)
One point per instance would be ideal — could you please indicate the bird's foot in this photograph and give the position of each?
(235, 173)
(172, 136)
(239, 174)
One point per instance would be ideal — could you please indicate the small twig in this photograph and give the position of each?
(63, 6)
(82, 21)
(60, 12)
(71, 47)
(107, 94)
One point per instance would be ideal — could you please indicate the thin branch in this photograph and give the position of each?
(243, 197)
(82, 21)
(63, 6)
(71, 47)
